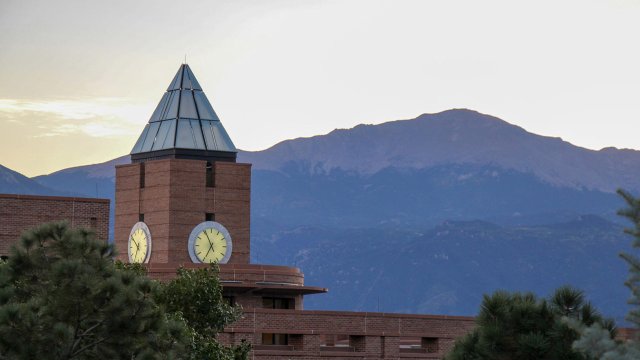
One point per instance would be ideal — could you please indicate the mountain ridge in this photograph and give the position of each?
(12, 182)
(455, 136)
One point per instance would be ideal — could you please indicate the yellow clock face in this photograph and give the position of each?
(210, 245)
(210, 242)
(139, 243)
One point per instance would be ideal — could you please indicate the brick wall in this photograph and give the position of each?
(175, 199)
(21, 212)
(371, 335)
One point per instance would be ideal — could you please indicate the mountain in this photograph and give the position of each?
(401, 197)
(455, 137)
(447, 269)
(97, 180)
(12, 182)
(436, 210)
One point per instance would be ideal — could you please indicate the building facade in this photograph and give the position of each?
(185, 201)
(21, 212)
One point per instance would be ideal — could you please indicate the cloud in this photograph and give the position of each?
(96, 117)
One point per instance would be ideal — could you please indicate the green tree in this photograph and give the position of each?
(196, 296)
(63, 297)
(521, 326)
(594, 340)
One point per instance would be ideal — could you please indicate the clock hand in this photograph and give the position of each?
(205, 255)
(209, 240)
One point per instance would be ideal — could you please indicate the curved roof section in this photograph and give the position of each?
(184, 119)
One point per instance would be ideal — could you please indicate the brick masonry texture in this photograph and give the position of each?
(175, 199)
(21, 212)
(371, 335)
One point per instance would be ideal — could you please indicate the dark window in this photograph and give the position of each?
(210, 177)
(209, 217)
(275, 339)
(411, 344)
(430, 344)
(277, 303)
(93, 223)
(141, 217)
(357, 342)
(335, 341)
(142, 176)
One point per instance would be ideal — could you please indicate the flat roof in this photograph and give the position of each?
(54, 198)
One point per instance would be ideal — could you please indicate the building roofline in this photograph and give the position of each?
(54, 198)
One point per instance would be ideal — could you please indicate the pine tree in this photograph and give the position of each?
(63, 297)
(521, 326)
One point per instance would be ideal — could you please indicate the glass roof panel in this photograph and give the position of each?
(208, 135)
(223, 140)
(161, 136)
(190, 81)
(169, 96)
(187, 105)
(151, 136)
(159, 109)
(172, 109)
(197, 134)
(204, 107)
(138, 146)
(175, 83)
(185, 119)
(184, 139)
(169, 141)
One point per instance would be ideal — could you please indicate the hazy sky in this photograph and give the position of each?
(79, 79)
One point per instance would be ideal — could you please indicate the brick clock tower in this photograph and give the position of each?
(184, 200)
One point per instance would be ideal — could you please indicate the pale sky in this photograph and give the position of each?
(79, 79)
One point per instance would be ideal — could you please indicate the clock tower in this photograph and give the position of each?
(184, 199)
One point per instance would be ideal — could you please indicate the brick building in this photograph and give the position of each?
(21, 212)
(185, 201)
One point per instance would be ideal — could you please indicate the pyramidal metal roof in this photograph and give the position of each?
(184, 119)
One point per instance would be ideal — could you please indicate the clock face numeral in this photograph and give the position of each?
(210, 246)
(210, 242)
(139, 243)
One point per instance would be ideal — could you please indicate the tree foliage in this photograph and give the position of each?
(522, 326)
(63, 297)
(593, 340)
(632, 212)
(196, 296)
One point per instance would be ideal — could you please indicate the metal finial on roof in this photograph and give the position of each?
(184, 119)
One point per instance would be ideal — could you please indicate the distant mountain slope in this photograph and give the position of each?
(459, 137)
(410, 198)
(96, 180)
(447, 269)
(12, 182)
